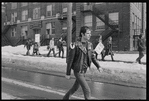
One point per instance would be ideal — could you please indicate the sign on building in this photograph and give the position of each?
(37, 38)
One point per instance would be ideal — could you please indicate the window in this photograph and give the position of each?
(24, 31)
(88, 20)
(13, 5)
(133, 20)
(48, 27)
(99, 24)
(24, 4)
(36, 13)
(24, 15)
(13, 32)
(64, 27)
(65, 10)
(14, 17)
(53, 27)
(53, 10)
(114, 18)
(49, 10)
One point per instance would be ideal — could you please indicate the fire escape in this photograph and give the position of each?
(5, 40)
(63, 17)
(95, 10)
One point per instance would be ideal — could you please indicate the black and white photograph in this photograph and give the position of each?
(73, 51)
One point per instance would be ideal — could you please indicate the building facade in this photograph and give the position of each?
(123, 21)
(126, 16)
(29, 19)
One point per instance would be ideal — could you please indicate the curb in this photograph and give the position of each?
(25, 64)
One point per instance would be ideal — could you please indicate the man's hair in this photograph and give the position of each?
(83, 30)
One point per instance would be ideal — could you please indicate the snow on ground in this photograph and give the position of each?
(7, 96)
(123, 69)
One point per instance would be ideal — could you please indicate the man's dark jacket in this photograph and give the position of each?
(76, 54)
(141, 46)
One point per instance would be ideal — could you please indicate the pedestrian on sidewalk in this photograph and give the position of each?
(99, 40)
(36, 49)
(141, 48)
(28, 45)
(80, 56)
(60, 47)
(51, 47)
(108, 49)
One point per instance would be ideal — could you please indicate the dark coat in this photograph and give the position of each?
(75, 57)
(141, 45)
(108, 48)
(28, 44)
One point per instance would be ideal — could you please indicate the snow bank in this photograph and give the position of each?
(121, 71)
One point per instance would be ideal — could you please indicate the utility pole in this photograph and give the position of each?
(69, 27)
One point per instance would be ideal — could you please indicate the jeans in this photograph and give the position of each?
(50, 52)
(80, 80)
(61, 50)
(140, 57)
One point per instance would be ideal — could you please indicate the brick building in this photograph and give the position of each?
(122, 21)
(26, 20)
(126, 18)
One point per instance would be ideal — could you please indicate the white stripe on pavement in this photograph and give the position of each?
(39, 87)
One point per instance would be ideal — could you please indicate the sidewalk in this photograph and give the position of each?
(122, 71)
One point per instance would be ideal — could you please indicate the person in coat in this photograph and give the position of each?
(60, 47)
(141, 48)
(108, 48)
(51, 47)
(80, 56)
(28, 45)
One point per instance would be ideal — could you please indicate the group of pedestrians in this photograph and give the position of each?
(28, 44)
(81, 54)
(51, 47)
(60, 46)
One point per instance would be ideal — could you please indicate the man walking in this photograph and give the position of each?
(141, 48)
(28, 45)
(60, 47)
(108, 49)
(51, 47)
(80, 56)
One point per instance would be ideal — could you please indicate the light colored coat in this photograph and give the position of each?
(51, 44)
